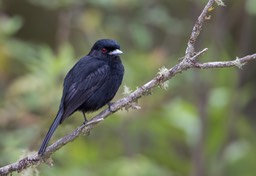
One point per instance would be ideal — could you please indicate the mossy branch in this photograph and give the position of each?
(129, 101)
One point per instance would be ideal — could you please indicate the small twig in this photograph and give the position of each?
(196, 31)
(238, 62)
(199, 53)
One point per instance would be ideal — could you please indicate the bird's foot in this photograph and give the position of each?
(85, 130)
(109, 107)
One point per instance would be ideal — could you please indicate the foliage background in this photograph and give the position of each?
(203, 124)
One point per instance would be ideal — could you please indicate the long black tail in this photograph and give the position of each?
(50, 132)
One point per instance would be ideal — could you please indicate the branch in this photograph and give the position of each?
(238, 62)
(122, 103)
(127, 102)
(196, 30)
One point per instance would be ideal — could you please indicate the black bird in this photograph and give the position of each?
(90, 84)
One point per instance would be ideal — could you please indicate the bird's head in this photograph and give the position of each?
(106, 47)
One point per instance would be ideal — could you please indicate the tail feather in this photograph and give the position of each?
(50, 132)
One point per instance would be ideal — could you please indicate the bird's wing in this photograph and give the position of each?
(80, 83)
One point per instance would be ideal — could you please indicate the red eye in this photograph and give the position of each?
(104, 50)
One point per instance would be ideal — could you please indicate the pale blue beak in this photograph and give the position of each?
(115, 52)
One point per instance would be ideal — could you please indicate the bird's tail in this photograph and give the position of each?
(50, 132)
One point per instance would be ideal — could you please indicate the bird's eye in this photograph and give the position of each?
(104, 50)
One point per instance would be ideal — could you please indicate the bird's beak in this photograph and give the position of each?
(115, 52)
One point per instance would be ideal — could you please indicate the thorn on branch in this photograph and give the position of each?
(198, 54)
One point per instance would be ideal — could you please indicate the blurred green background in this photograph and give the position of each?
(203, 124)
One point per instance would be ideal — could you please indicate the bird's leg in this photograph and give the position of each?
(85, 119)
(85, 131)
(109, 106)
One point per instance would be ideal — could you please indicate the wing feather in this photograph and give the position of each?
(80, 84)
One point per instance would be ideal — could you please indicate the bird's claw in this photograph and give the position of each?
(109, 107)
(85, 122)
